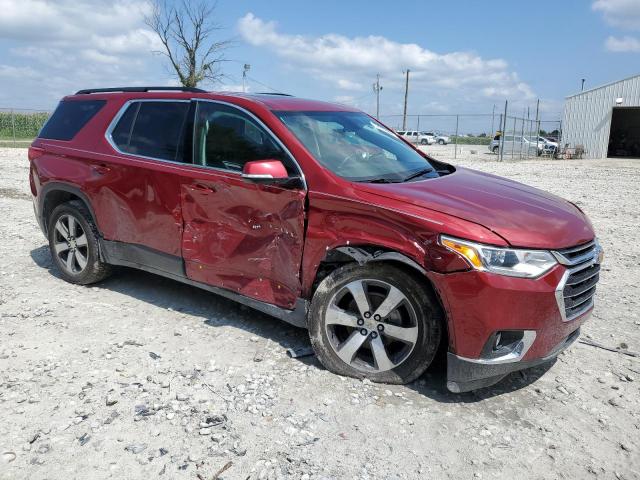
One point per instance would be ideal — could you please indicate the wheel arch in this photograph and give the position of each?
(57, 193)
(363, 254)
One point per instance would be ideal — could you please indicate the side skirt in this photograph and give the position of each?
(170, 266)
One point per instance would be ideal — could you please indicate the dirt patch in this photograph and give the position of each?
(141, 376)
(13, 193)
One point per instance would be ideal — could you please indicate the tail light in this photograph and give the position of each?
(35, 152)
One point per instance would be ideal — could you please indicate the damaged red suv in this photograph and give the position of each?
(319, 215)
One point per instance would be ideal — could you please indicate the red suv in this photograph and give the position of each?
(319, 215)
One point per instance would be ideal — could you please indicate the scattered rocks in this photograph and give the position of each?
(223, 389)
(8, 457)
(136, 448)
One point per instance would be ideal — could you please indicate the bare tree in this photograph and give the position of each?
(187, 34)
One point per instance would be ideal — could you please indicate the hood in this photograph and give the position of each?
(524, 216)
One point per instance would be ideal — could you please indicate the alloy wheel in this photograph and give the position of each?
(70, 244)
(371, 325)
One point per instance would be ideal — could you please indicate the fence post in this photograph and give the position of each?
(522, 142)
(13, 127)
(455, 148)
(504, 128)
(513, 136)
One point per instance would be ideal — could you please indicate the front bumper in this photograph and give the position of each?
(464, 374)
(482, 307)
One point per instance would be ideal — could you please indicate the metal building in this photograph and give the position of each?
(604, 121)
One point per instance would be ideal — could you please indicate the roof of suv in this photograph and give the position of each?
(276, 102)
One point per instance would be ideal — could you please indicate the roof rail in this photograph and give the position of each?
(139, 89)
(275, 93)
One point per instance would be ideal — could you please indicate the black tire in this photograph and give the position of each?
(424, 142)
(426, 307)
(94, 270)
(441, 142)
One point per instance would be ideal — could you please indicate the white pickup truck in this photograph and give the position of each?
(414, 136)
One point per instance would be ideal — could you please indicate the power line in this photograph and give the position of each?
(264, 84)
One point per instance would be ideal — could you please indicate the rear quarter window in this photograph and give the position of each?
(152, 129)
(69, 118)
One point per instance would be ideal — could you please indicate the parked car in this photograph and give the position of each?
(547, 143)
(439, 138)
(413, 136)
(316, 214)
(516, 144)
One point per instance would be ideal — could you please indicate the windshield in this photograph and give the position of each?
(356, 147)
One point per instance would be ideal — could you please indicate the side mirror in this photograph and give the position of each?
(264, 171)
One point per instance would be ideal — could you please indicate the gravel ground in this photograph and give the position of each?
(140, 377)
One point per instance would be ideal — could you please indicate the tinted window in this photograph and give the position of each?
(69, 118)
(152, 129)
(227, 138)
(122, 131)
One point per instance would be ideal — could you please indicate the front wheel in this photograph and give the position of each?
(441, 142)
(374, 321)
(424, 142)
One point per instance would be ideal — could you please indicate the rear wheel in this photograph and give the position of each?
(374, 321)
(424, 141)
(441, 142)
(73, 242)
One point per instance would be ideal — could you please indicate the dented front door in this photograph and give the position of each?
(239, 235)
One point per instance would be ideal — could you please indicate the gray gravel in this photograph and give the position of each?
(81, 396)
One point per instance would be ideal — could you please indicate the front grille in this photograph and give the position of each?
(575, 291)
(577, 255)
(578, 291)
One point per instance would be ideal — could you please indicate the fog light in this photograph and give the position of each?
(507, 345)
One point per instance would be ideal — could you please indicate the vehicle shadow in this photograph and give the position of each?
(216, 311)
(213, 310)
(433, 383)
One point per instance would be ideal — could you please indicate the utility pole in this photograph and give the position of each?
(406, 95)
(376, 89)
(245, 70)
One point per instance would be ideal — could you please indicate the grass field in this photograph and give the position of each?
(20, 128)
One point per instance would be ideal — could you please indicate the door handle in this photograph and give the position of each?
(101, 169)
(203, 188)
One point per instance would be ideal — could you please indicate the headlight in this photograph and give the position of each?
(513, 262)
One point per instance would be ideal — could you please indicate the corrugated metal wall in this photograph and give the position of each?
(587, 115)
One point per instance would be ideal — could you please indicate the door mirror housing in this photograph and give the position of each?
(264, 170)
(271, 172)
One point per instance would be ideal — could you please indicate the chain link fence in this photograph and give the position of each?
(18, 127)
(523, 137)
(476, 132)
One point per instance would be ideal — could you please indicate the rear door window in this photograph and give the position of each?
(69, 117)
(153, 129)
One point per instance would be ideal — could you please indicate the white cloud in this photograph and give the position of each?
(233, 88)
(350, 63)
(619, 13)
(76, 44)
(623, 44)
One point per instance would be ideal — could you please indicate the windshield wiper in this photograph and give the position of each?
(418, 174)
(379, 180)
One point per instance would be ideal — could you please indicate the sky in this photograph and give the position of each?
(463, 56)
